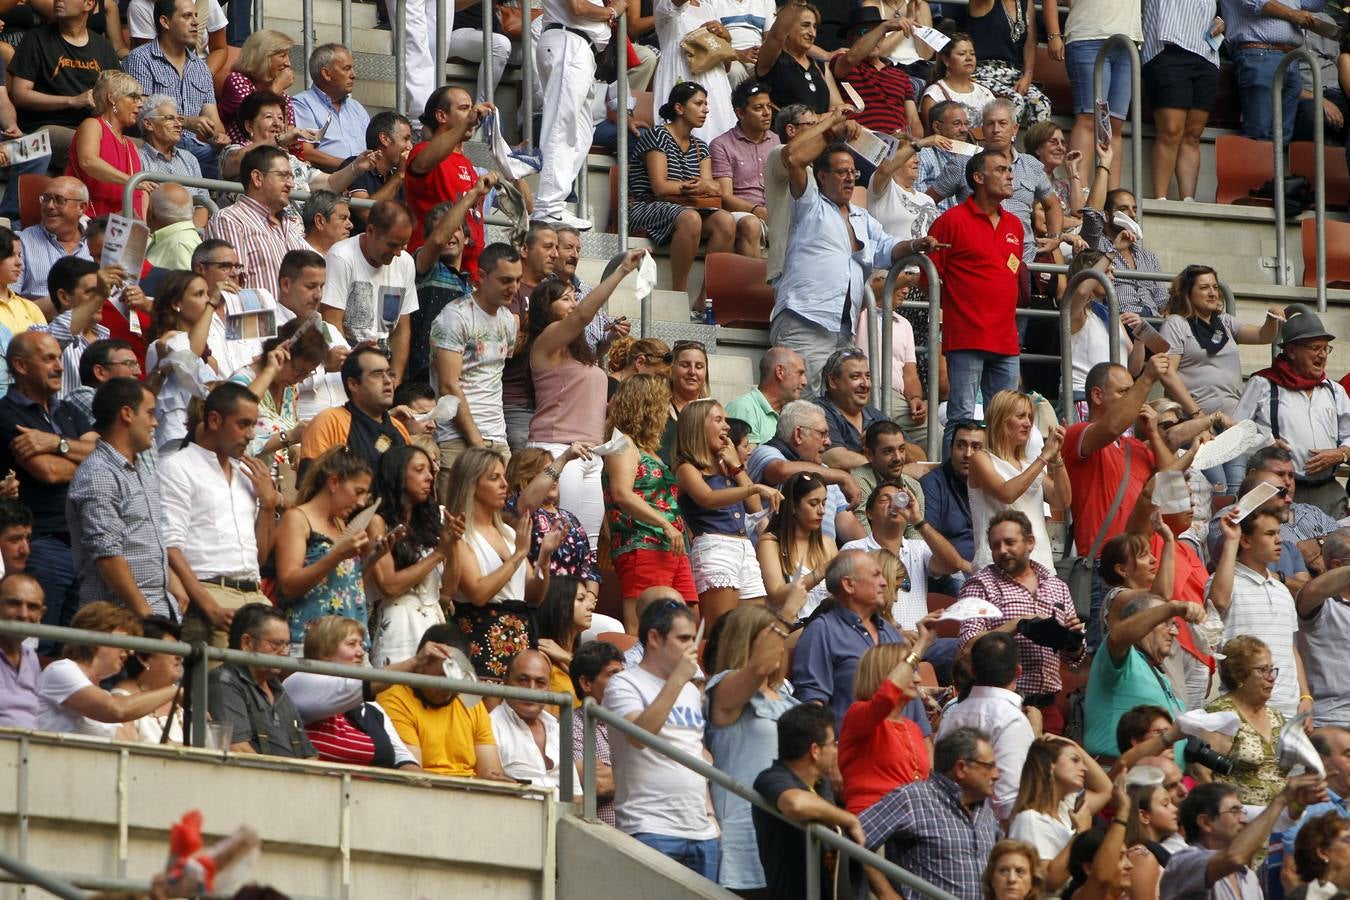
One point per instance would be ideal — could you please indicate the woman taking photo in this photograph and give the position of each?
(1002, 477)
(566, 612)
(69, 697)
(179, 323)
(497, 583)
(882, 746)
(570, 388)
(647, 533)
(793, 552)
(102, 156)
(413, 583)
(318, 555)
(744, 701)
(272, 377)
(1062, 789)
(954, 80)
(146, 672)
(1013, 872)
(688, 382)
(716, 499)
(1248, 679)
(665, 190)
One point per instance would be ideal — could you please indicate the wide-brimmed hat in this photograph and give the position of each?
(861, 16)
(1301, 323)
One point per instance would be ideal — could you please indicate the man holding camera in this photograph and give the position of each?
(1130, 672)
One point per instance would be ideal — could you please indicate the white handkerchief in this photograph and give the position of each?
(445, 410)
(1196, 721)
(646, 277)
(616, 444)
(1240, 440)
(970, 608)
(1170, 493)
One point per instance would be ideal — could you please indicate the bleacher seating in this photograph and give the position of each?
(736, 285)
(1242, 165)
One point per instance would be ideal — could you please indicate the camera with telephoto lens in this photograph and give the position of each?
(1197, 751)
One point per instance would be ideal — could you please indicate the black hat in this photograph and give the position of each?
(862, 16)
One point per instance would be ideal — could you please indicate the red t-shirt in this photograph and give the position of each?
(1189, 576)
(1095, 480)
(980, 273)
(883, 92)
(448, 181)
(876, 754)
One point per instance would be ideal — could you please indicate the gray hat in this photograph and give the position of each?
(1301, 323)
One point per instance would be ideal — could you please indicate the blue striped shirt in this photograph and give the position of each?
(1246, 23)
(192, 90)
(1184, 23)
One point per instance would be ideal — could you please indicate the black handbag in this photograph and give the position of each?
(1298, 194)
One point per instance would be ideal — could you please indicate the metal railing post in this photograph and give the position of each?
(621, 205)
(813, 866)
(211, 184)
(347, 24)
(35, 876)
(589, 801)
(400, 57)
(199, 703)
(527, 72)
(1136, 107)
(307, 37)
(869, 310)
(934, 341)
(1066, 367)
(1319, 172)
(485, 70)
(567, 773)
(444, 12)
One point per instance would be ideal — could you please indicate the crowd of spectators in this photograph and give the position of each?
(440, 453)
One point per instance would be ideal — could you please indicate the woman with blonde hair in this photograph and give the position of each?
(717, 500)
(688, 382)
(264, 64)
(1002, 477)
(885, 740)
(1013, 872)
(1248, 679)
(102, 156)
(497, 583)
(744, 701)
(647, 532)
(637, 356)
(793, 551)
(1048, 812)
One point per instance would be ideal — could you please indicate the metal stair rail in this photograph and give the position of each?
(1319, 172)
(1136, 109)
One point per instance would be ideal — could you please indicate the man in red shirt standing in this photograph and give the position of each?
(980, 261)
(438, 171)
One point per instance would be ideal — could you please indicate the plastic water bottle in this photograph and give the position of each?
(709, 317)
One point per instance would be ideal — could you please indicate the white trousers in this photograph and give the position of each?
(567, 69)
(419, 42)
(467, 43)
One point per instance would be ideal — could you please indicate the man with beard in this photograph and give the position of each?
(219, 513)
(363, 423)
(1035, 606)
(251, 698)
(946, 497)
(887, 453)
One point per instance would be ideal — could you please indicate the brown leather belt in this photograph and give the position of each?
(1258, 45)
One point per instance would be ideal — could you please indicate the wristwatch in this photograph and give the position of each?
(63, 446)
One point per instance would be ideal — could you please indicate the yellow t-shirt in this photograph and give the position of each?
(446, 736)
(19, 314)
(560, 681)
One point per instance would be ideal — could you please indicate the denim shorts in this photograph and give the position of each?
(1079, 59)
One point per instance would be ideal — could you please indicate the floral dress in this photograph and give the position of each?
(574, 556)
(655, 484)
(1256, 769)
(340, 594)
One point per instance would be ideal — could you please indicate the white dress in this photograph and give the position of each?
(672, 24)
(193, 377)
(150, 727)
(489, 561)
(983, 507)
(400, 622)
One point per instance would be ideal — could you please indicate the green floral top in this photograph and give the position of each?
(1256, 770)
(654, 483)
(340, 594)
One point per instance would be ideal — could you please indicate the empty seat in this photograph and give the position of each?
(1303, 161)
(31, 187)
(1338, 253)
(737, 287)
(1241, 165)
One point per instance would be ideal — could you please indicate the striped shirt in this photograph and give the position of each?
(1148, 298)
(72, 348)
(932, 161)
(180, 163)
(884, 91)
(41, 250)
(261, 239)
(1260, 605)
(192, 90)
(1181, 22)
(1246, 23)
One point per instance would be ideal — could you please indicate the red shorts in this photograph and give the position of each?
(641, 569)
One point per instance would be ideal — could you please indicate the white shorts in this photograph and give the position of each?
(723, 561)
(763, 226)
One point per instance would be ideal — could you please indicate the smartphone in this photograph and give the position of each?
(1103, 123)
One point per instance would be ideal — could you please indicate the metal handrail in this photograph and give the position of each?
(1319, 172)
(1229, 298)
(400, 57)
(211, 184)
(196, 655)
(1136, 107)
(26, 874)
(591, 712)
(527, 71)
(934, 340)
(306, 38)
(621, 205)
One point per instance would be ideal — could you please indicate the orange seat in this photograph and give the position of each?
(619, 639)
(1241, 165)
(927, 675)
(31, 187)
(1303, 161)
(737, 287)
(1338, 253)
(1054, 81)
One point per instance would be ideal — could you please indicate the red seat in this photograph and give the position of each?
(1338, 253)
(737, 287)
(30, 188)
(1054, 81)
(938, 602)
(1242, 165)
(619, 639)
(1303, 161)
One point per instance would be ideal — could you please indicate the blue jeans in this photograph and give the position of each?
(1080, 57)
(970, 375)
(1226, 478)
(703, 857)
(51, 563)
(208, 157)
(1255, 76)
(9, 203)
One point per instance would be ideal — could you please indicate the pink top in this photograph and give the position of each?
(119, 152)
(238, 86)
(569, 404)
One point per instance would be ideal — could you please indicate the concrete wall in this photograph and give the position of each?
(95, 808)
(596, 860)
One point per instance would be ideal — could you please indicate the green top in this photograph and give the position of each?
(753, 409)
(866, 479)
(1114, 690)
(1256, 769)
(655, 484)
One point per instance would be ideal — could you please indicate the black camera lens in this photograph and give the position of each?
(1197, 751)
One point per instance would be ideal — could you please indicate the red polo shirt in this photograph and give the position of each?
(980, 272)
(448, 181)
(883, 92)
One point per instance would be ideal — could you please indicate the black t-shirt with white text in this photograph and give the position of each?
(61, 69)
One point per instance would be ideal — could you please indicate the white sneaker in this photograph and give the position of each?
(563, 217)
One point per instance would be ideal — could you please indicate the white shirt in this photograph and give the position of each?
(483, 342)
(55, 685)
(321, 390)
(653, 793)
(1091, 345)
(560, 12)
(209, 519)
(998, 713)
(908, 607)
(373, 298)
(141, 20)
(1263, 607)
(1316, 421)
(171, 403)
(1048, 834)
(232, 355)
(519, 752)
